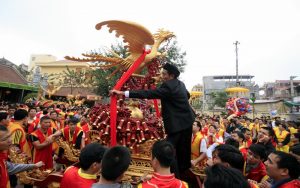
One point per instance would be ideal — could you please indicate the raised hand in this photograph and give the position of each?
(39, 164)
(116, 92)
(264, 184)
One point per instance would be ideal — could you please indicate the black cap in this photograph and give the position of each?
(172, 69)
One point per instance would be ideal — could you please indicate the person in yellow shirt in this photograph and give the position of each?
(254, 129)
(250, 125)
(240, 138)
(282, 138)
(294, 139)
(221, 122)
(260, 125)
(220, 130)
(198, 145)
(292, 128)
(54, 123)
(243, 122)
(18, 133)
(17, 128)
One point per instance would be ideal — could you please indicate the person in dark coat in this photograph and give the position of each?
(177, 114)
(265, 137)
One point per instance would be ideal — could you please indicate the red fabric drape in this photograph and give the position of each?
(113, 98)
(3, 171)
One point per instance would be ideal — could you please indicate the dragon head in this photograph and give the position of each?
(163, 35)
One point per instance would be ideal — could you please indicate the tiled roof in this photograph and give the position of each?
(8, 73)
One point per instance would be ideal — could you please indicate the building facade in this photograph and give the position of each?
(45, 67)
(281, 90)
(196, 97)
(218, 83)
(198, 88)
(49, 65)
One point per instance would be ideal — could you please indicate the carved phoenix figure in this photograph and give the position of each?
(136, 37)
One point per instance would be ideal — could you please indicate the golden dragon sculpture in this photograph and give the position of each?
(51, 89)
(26, 177)
(70, 152)
(136, 37)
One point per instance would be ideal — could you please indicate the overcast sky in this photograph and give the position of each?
(268, 32)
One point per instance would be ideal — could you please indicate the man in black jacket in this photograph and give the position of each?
(265, 136)
(177, 114)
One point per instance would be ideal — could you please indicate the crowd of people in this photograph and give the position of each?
(236, 152)
(34, 132)
(239, 152)
(260, 149)
(33, 129)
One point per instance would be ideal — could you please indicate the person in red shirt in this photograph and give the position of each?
(39, 112)
(73, 134)
(284, 169)
(57, 109)
(204, 129)
(42, 140)
(85, 128)
(255, 168)
(5, 143)
(90, 163)
(162, 157)
(33, 121)
(213, 136)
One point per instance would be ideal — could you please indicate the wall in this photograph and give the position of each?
(40, 58)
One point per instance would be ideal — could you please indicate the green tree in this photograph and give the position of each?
(102, 83)
(171, 50)
(174, 55)
(197, 104)
(71, 78)
(102, 79)
(29, 96)
(219, 99)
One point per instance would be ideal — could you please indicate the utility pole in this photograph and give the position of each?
(237, 63)
(253, 99)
